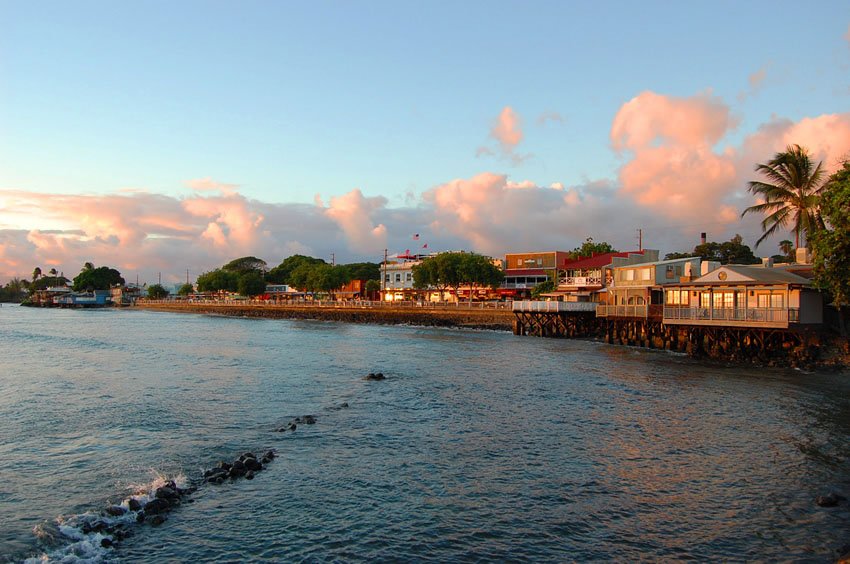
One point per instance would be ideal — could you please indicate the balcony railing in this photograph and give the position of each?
(541, 306)
(750, 315)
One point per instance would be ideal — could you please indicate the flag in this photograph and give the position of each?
(425, 246)
(416, 236)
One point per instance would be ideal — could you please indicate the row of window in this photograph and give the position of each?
(408, 277)
(725, 300)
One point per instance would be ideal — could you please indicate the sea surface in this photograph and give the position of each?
(479, 446)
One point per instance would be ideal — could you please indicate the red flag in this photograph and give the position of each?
(425, 246)
(416, 236)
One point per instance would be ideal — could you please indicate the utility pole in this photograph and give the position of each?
(333, 259)
(160, 279)
(640, 239)
(384, 275)
(187, 276)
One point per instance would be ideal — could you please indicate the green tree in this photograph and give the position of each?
(281, 273)
(245, 265)
(372, 288)
(251, 284)
(14, 290)
(678, 255)
(48, 282)
(790, 192)
(101, 278)
(543, 288)
(426, 275)
(185, 290)
(831, 245)
(157, 292)
(733, 251)
(36, 273)
(364, 270)
(787, 248)
(588, 248)
(479, 271)
(217, 280)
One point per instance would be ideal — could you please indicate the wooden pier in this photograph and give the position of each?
(555, 319)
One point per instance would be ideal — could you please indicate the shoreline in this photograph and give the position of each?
(487, 319)
(833, 355)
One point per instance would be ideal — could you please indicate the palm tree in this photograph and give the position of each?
(790, 194)
(36, 273)
(786, 247)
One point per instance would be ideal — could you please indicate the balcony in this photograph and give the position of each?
(641, 311)
(732, 317)
(580, 281)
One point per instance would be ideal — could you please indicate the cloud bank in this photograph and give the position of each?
(676, 179)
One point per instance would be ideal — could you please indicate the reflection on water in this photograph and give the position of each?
(478, 446)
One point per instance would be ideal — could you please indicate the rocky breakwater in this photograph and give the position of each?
(452, 316)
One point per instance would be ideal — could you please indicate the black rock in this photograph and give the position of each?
(249, 475)
(376, 376)
(237, 472)
(269, 454)
(343, 405)
(265, 460)
(224, 465)
(166, 492)
(251, 463)
(157, 506)
(309, 419)
(134, 504)
(140, 517)
(247, 455)
(115, 510)
(105, 543)
(829, 500)
(238, 465)
(157, 520)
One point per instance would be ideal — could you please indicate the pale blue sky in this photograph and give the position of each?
(293, 99)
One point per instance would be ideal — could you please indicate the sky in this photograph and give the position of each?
(160, 137)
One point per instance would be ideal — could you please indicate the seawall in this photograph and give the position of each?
(468, 318)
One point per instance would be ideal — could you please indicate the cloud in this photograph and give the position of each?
(550, 116)
(353, 213)
(847, 35)
(507, 132)
(209, 185)
(755, 81)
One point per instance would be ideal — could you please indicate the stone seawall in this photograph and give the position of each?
(491, 319)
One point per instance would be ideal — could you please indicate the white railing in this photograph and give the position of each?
(542, 306)
(753, 315)
(625, 310)
(580, 281)
(341, 304)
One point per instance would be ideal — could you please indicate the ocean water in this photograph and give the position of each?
(478, 446)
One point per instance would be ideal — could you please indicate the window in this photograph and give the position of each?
(408, 276)
(387, 279)
(519, 262)
(645, 273)
(705, 300)
(398, 277)
(677, 297)
(630, 275)
(777, 301)
(669, 274)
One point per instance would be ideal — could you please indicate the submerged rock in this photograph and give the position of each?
(830, 500)
(157, 520)
(376, 376)
(133, 504)
(115, 510)
(105, 543)
(157, 506)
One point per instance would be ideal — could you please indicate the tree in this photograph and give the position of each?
(88, 266)
(101, 278)
(588, 248)
(251, 284)
(13, 291)
(36, 273)
(185, 290)
(790, 193)
(426, 275)
(831, 245)
(734, 251)
(543, 288)
(372, 288)
(281, 273)
(787, 248)
(479, 271)
(48, 282)
(157, 292)
(52, 272)
(217, 280)
(364, 270)
(671, 256)
(245, 265)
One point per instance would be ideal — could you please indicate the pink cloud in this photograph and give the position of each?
(507, 132)
(651, 118)
(552, 116)
(353, 213)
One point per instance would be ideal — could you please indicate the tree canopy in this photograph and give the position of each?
(245, 265)
(281, 273)
(832, 245)
(453, 270)
(157, 292)
(733, 251)
(319, 277)
(217, 280)
(588, 248)
(100, 278)
(48, 282)
(251, 284)
(185, 290)
(790, 193)
(364, 270)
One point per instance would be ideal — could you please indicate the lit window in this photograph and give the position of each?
(777, 301)
(645, 274)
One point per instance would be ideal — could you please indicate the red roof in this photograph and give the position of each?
(598, 260)
(526, 272)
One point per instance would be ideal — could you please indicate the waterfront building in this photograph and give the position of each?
(637, 290)
(585, 279)
(744, 296)
(524, 271)
(397, 277)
